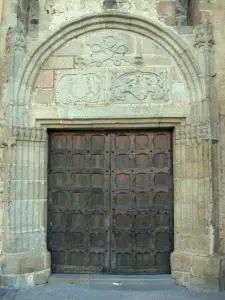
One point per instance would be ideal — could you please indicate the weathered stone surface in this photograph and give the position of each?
(15, 264)
(44, 96)
(204, 283)
(45, 79)
(181, 262)
(206, 266)
(80, 87)
(74, 47)
(105, 71)
(59, 62)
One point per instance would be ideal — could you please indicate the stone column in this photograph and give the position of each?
(25, 260)
(196, 262)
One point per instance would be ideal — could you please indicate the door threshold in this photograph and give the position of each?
(109, 279)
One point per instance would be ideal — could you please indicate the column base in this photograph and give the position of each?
(198, 272)
(25, 280)
(24, 269)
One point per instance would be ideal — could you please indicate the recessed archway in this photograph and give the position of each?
(192, 168)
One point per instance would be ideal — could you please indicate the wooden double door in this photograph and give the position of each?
(110, 202)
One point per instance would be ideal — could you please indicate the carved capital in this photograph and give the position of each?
(7, 136)
(10, 135)
(19, 38)
(31, 134)
(204, 35)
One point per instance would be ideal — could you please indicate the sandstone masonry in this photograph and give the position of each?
(68, 64)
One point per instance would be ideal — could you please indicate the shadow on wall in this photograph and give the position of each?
(187, 12)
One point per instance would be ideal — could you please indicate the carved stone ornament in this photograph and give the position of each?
(110, 51)
(80, 88)
(204, 35)
(8, 136)
(19, 37)
(139, 87)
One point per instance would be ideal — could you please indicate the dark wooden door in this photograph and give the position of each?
(78, 207)
(141, 195)
(110, 202)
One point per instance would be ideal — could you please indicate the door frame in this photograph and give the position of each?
(118, 124)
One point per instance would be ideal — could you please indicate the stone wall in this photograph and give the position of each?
(219, 76)
(106, 64)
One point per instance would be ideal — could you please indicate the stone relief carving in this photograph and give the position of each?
(89, 88)
(80, 88)
(140, 86)
(204, 35)
(110, 51)
(20, 35)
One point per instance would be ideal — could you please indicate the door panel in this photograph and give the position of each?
(141, 195)
(78, 220)
(110, 203)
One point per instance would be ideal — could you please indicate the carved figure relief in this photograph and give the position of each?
(110, 51)
(79, 88)
(139, 87)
